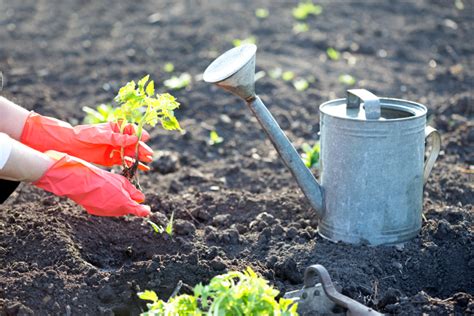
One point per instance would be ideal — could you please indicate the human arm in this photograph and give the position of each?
(97, 143)
(98, 191)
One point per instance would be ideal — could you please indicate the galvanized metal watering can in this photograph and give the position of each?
(372, 157)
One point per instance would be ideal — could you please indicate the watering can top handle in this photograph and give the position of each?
(371, 102)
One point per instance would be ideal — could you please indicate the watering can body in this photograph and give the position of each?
(373, 172)
(372, 157)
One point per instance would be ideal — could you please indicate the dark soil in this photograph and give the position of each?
(235, 204)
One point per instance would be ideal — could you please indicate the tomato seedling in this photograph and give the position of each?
(140, 106)
(233, 293)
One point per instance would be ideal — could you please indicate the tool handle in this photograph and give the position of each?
(371, 102)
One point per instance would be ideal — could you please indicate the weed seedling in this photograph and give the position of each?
(310, 154)
(300, 28)
(168, 67)
(261, 13)
(346, 79)
(288, 75)
(333, 54)
(305, 9)
(169, 226)
(249, 40)
(214, 138)
(160, 230)
(301, 84)
(178, 82)
(233, 293)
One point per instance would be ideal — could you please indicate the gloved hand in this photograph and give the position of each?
(96, 143)
(98, 191)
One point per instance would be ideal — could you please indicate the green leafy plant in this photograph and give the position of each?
(310, 154)
(137, 104)
(249, 40)
(233, 293)
(214, 138)
(178, 82)
(333, 53)
(305, 9)
(157, 228)
(261, 13)
(347, 80)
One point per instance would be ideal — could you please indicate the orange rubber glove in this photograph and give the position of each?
(96, 143)
(100, 192)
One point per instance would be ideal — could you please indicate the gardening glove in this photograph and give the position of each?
(100, 192)
(96, 143)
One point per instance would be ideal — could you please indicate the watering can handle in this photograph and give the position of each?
(436, 146)
(371, 102)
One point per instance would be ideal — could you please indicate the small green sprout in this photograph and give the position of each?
(288, 75)
(346, 79)
(333, 53)
(233, 293)
(305, 9)
(214, 138)
(310, 154)
(300, 27)
(301, 84)
(169, 226)
(157, 228)
(103, 113)
(249, 40)
(275, 73)
(160, 230)
(177, 83)
(168, 67)
(261, 13)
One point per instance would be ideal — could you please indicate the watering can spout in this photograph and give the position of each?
(234, 71)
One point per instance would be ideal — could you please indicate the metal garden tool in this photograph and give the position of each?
(323, 299)
(371, 161)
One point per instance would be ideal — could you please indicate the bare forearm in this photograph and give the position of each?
(24, 163)
(12, 118)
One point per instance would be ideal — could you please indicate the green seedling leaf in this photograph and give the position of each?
(333, 54)
(288, 75)
(261, 13)
(169, 226)
(176, 83)
(300, 28)
(347, 80)
(168, 67)
(249, 40)
(310, 154)
(305, 9)
(102, 114)
(259, 75)
(157, 228)
(301, 84)
(214, 138)
(275, 73)
(148, 296)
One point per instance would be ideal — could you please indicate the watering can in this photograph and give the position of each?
(372, 163)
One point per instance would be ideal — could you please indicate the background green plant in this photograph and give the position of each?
(233, 293)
